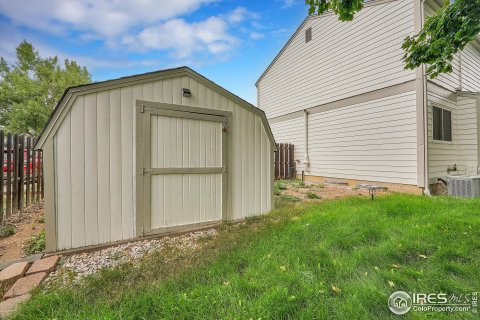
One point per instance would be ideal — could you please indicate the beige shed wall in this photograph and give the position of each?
(94, 152)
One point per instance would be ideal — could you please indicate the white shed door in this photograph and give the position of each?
(184, 169)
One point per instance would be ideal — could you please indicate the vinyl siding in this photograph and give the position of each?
(292, 131)
(373, 141)
(94, 153)
(466, 65)
(471, 68)
(463, 150)
(449, 80)
(342, 59)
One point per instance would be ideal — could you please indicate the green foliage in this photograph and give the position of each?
(6, 230)
(36, 244)
(285, 199)
(344, 9)
(444, 34)
(30, 88)
(280, 185)
(312, 195)
(284, 266)
(299, 184)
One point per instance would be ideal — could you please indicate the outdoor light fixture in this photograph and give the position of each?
(186, 92)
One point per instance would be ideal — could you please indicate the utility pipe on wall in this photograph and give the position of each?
(426, 189)
(306, 160)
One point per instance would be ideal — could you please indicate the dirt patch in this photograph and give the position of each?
(27, 224)
(323, 191)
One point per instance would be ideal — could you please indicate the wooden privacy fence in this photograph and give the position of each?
(284, 161)
(22, 182)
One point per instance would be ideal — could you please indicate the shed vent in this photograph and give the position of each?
(464, 186)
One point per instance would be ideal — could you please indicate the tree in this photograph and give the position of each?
(444, 34)
(30, 88)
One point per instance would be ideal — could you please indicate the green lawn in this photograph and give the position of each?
(283, 266)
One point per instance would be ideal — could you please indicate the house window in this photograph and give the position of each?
(308, 34)
(442, 124)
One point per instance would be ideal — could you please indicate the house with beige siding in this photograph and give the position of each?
(340, 93)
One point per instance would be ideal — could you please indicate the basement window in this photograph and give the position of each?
(442, 124)
(308, 35)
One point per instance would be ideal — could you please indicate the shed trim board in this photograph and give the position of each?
(50, 216)
(145, 109)
(70, 94)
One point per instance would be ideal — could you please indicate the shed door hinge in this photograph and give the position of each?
(142, 171)
(142, 108)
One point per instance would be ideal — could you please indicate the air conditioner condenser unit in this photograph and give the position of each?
(464, 186)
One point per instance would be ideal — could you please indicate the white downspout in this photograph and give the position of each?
(306, 160)
(426, 189)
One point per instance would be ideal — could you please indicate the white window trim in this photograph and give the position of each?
(441, 106)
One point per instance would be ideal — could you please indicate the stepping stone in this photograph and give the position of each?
(25, 285)
(14, 271)
(31, 258)
(43, 265)
(8, 306)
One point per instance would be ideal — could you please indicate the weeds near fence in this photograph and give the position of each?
(312, 195)
(36, 244)
(6, 230)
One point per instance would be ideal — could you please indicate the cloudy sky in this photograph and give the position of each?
(229, 41)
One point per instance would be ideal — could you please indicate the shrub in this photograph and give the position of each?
(284, 199)
(6, 230)
(312, 195)
(278, 186)
(300, 184)
(36, 244)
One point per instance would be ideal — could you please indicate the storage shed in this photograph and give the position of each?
(153, 153)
